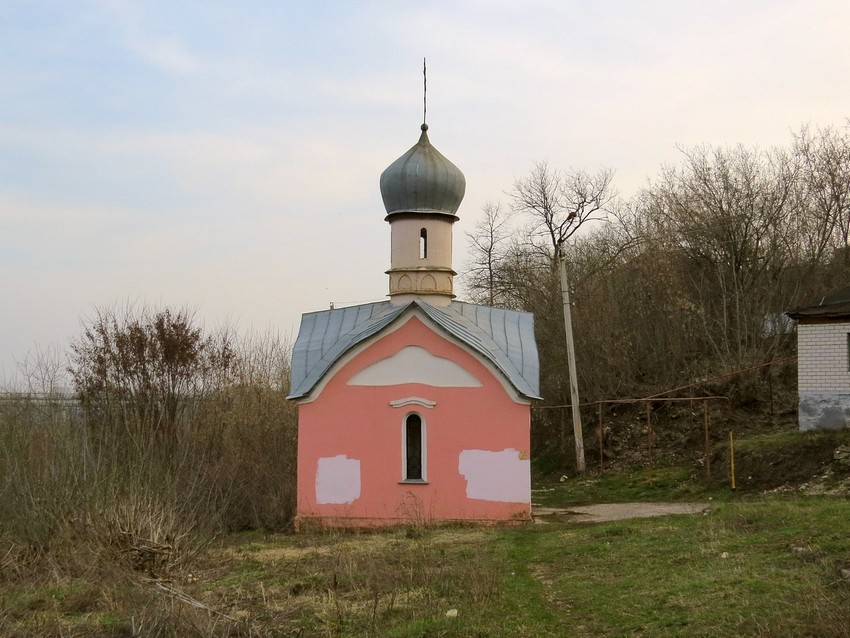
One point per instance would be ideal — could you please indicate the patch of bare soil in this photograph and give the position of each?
(614, 512)
(824, 485)
(677, 434)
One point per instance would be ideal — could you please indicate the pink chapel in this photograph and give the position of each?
(416, 409)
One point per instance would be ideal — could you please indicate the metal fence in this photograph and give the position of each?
(599, 436)
(41, 408)
(708, 409)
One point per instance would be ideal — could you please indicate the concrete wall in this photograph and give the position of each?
(823, 375)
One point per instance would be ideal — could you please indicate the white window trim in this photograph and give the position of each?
(423, 450)
(425, 403)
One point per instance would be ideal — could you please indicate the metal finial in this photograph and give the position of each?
(424, 91)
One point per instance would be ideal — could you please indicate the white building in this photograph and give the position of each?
(823, 362)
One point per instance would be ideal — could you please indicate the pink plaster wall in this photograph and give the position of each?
(357, 422)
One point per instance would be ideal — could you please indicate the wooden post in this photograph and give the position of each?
(732, 460)
(707, 442)
(649, 432)
(601, 439)
(571, 363)
(770, 394)
(563, 413)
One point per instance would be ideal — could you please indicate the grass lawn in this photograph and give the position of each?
(674, 484)
(772, 567)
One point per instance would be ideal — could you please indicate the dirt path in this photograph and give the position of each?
(614, 511)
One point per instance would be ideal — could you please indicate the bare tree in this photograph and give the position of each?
(729, 212)
(487, 250)
(824, 159)
(139, 370)
(687, 280)
(558, 203)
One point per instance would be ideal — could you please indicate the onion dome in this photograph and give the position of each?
(422, 181)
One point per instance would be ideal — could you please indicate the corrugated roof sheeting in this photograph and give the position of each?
(326, 335)
(513, 333)
(488, 330)
(835, 305)
(505, 337)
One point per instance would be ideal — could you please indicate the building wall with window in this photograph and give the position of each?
(823, 373)
(413, 425)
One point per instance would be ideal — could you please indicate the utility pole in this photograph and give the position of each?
(571, 362)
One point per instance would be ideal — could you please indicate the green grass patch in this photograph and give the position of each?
(744, 569)
(676, 484)
(766, 567)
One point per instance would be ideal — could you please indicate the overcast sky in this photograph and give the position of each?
(225, 156)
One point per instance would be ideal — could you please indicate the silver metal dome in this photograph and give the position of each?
(422, 181)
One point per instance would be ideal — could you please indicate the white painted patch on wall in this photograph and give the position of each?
(414, 364)
(496, 476)
(337, 480)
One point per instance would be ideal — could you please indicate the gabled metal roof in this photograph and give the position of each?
(504, 337)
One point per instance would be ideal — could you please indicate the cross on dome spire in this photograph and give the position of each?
(424, 94)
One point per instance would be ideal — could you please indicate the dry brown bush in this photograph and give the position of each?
(102, 492)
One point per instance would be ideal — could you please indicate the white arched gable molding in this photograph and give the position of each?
(414, 364)
(351, 354)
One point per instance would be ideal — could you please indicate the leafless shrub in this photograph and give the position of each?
(412, 511)
(160, 460)
(250, 430)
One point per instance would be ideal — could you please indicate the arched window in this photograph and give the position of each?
(413, 444)
(423, 244)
